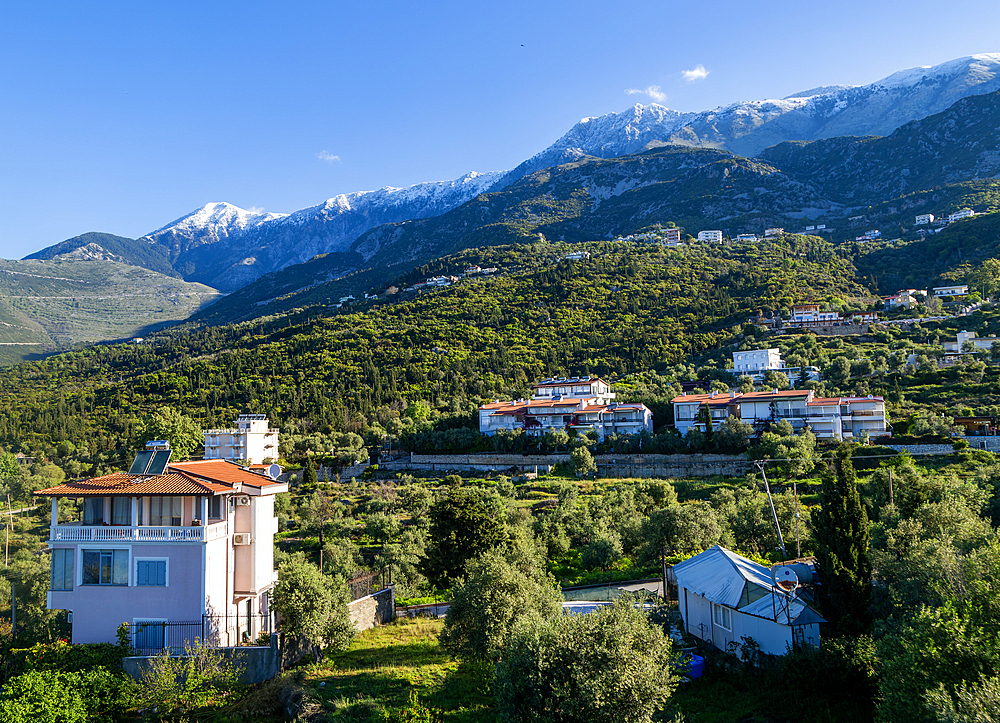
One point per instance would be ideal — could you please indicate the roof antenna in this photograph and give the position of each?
(774, 515)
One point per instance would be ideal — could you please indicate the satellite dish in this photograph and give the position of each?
(784, 577)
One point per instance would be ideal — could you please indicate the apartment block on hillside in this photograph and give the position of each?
(252, 440)
(583, 404)
(828, 417)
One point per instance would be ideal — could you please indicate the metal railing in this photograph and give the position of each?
(123, 533)
(152, 637)
(369, 583)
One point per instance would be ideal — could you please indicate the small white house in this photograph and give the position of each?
(953, 290)
(725, 597)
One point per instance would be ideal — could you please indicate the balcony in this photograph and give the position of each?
(122, 533)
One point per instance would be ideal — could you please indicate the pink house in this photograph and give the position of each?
(188, 542)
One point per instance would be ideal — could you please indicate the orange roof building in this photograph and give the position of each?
(583, 404)
(830, 418)
(192, 544)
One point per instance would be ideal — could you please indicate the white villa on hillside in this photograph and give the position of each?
(252, 440)
(710, 237)
(579, 403)
(185, 543)
(963, 337)
(756, 363)
(828, 417)
(953, 290)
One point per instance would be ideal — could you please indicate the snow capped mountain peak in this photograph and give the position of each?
(981, 67)
(221, 216)
(232, 246)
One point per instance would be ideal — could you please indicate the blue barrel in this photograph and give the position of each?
(696, 667)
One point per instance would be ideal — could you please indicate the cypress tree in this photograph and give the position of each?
(842, 538)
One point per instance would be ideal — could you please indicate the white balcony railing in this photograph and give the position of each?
(116, 533)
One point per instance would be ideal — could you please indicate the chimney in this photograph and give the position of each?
(775, 391)
(732, 394)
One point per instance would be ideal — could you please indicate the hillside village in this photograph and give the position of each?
(690, 417)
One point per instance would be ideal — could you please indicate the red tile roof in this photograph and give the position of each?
(121, 483)
(223, 471)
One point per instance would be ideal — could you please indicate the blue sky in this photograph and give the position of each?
(121, 117)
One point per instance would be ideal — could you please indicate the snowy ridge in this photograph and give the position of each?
(230, 247)
(748, 127)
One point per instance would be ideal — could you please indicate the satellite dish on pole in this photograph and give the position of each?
(785, 578)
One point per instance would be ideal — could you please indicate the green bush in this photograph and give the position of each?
(50, 696)
(64, 657)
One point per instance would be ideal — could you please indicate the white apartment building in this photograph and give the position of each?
(959, 215)
(252, 440)
(958, 346)
(806, 313)
(954, 290)
(828, 417)
(924, 219)
(746, 238)
(772, 232)
(583, 404)
(758, 360)
(711, 237)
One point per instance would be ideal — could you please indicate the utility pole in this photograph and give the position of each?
(798, 542)
(891, 501)
(13, 609)
(774, 514)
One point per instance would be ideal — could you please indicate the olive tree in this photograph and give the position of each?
(603, 667)
(313, 606)
(500, 593)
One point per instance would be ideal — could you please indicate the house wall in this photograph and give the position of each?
(98, 610)
(772, 638)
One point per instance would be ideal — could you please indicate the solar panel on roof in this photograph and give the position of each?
(159, 463)
(142, 460)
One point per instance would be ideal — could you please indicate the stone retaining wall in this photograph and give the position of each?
(608, 465)
(376, 609)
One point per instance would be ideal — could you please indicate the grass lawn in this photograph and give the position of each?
(385, 663)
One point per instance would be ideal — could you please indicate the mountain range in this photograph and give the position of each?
(818, 154)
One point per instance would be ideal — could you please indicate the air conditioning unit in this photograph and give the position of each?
(245, 501)
(241, 538)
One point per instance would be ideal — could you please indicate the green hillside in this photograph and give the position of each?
(50, 305)
(627, 309)
(113, 248)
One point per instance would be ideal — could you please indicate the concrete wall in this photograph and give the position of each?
(376, 609)
(255, 663)
(608, 465)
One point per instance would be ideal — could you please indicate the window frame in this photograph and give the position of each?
(719, 615)
(68, 582)
(136, 561)
(101, 552)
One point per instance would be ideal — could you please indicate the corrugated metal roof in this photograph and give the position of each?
(720, 576)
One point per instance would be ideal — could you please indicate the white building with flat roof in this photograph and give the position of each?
(924, 219)
(745, 362)
(959, 215)
(711, 237)
(954, 290)
(252, 440)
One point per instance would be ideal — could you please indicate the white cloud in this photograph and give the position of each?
(328, 157)
(697, 73)
(652, 91)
